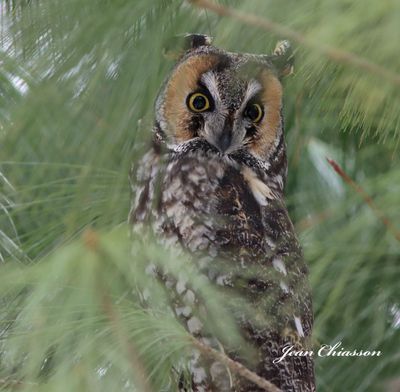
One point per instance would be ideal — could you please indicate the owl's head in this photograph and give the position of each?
(232, 101)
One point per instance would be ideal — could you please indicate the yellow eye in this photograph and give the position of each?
(198, 102)
(254, 112)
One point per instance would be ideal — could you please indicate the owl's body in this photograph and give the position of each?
(213, 183)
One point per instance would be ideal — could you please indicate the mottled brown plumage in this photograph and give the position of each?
(213, 183)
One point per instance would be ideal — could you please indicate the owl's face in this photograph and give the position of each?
(232, 101)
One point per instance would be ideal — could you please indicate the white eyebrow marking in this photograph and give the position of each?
(253, 88)
(208, 79)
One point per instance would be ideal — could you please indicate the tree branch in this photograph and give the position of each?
(334, 54)
(236, 367)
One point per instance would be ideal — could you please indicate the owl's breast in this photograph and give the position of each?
(210, 202)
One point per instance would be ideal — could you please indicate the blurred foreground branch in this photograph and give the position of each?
(134, 359)
(334, 54)
(91, 241)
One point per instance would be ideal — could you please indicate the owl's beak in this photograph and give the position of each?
(224, 140)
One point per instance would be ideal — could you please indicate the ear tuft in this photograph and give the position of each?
(178, 45)
(194, 41)
(283, 58)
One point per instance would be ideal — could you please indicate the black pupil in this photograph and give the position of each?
(199, 102)
(252, 112)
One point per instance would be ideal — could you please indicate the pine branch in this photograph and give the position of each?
(337, 55)
(236, 367)
(91, 241)
(367, 198)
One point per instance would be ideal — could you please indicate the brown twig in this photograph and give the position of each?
(367, 198)
(335, 54)
(236, 367)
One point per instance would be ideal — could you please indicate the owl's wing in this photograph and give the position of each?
(288, 299)
(265, 250)
(266, 254)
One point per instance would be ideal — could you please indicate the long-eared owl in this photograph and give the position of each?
(213, 183)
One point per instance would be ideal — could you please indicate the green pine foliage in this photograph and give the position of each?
(77, 84)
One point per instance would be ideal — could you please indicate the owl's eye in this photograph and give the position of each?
(254, 112)
(198, 102)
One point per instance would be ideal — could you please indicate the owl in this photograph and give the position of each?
(213, 183)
